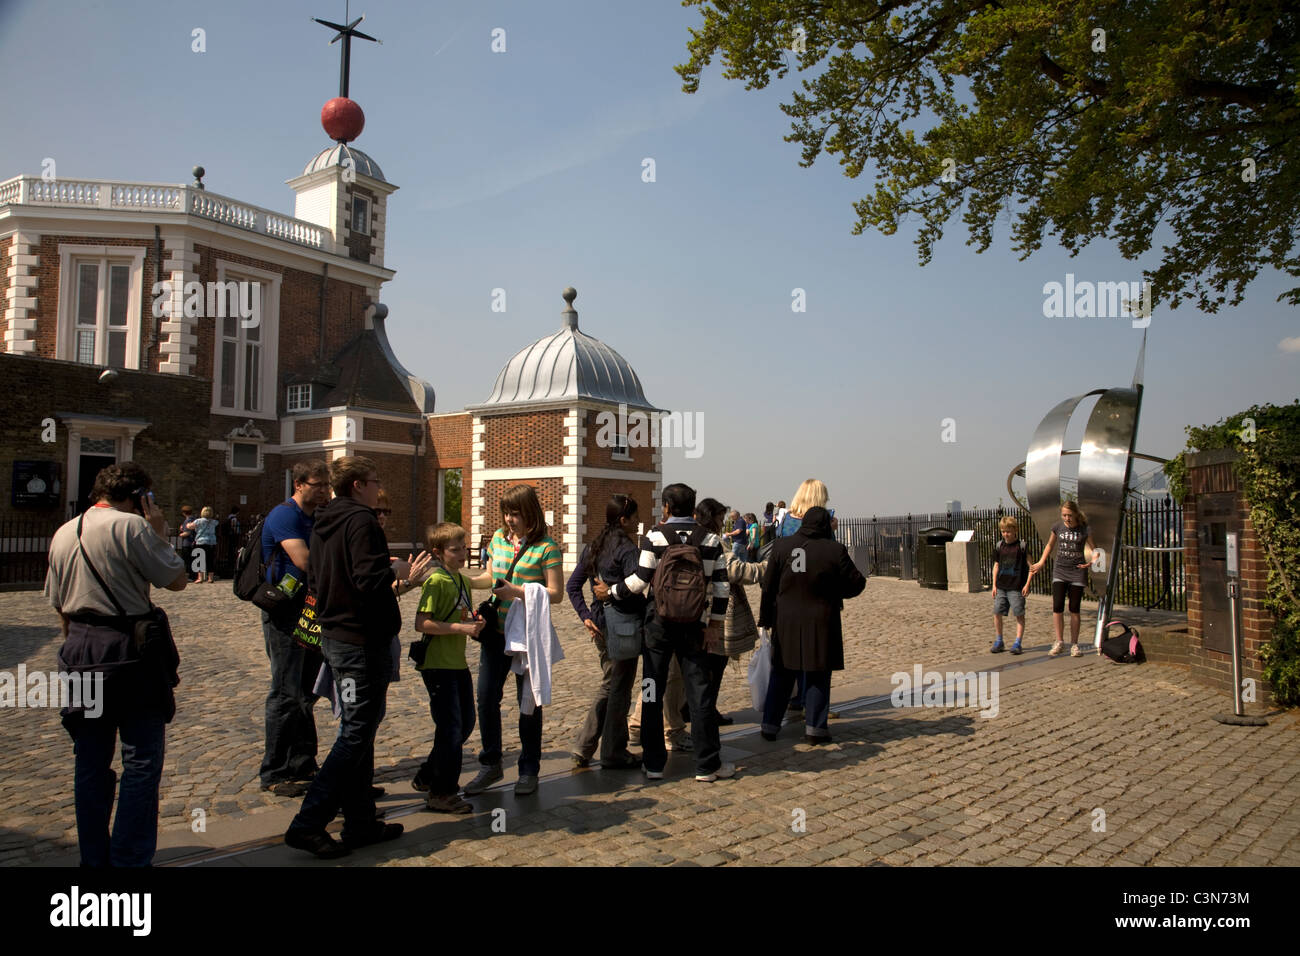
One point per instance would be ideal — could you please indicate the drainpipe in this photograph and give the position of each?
(320, 342)
(417, 432)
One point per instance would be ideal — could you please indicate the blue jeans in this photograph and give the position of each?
(662, 640)
(135, 830)
(817, 701)
(290, 725)
(451, 702)
(493, 666)
(344, 780)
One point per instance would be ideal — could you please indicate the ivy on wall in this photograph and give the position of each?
(1267, 437)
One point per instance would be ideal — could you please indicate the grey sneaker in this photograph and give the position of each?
(679, 743)
(525, 785)
(486, 777)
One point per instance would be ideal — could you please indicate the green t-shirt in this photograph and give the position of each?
(538, 557)
(444, 600)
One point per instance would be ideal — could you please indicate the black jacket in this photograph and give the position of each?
(349, 572)
(808, 577)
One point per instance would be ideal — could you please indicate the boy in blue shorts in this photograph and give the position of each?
(1011, 574)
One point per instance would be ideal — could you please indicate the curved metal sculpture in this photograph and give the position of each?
(1105, 460)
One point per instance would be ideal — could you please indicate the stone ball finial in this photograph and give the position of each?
(569, 294)
(199, 172)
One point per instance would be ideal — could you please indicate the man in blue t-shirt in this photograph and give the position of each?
(738, 535)
(290, 758)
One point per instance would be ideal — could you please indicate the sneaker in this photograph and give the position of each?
(679, 743)
(724, 772)
(653, 774)
(289, 788)
(320, 844)
(579, 761)
(486, 777)
(723, 721)
(1074, 650)
(378, 832)
(997, 647)
(621, 762)
(526, 785)
(1056, 649)
(1016, 649)
(447, 803)
(420, 784)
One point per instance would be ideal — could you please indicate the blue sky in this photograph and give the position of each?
(522, 170)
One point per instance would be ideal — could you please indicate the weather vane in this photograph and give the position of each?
(346, 33)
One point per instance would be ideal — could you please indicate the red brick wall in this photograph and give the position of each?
(598, 457)
(524, 440)
(385, 429)
(448, 445)
(598, 494)
(550, 493)
(1214, 667)
(311, 429)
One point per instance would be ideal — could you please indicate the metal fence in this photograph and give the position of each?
(1150, 570)
(24, 551)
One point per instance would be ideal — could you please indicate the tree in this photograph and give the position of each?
(1098, 119)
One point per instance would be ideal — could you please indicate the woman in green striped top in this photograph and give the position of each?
(541, 561)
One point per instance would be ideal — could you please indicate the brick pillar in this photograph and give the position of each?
(1213, 473)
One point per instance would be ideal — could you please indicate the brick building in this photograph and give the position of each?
(216, 343)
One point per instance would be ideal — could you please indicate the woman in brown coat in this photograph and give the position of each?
(808, 577)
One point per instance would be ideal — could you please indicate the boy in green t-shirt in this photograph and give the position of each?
(446, 613)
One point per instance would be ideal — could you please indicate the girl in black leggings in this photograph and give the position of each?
(1069, 571)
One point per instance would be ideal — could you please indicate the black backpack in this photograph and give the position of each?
(1123, 648)
(250, 572)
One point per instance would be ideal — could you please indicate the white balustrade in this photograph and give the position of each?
(159, 197)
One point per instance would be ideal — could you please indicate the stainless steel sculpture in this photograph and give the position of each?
(1105, 462)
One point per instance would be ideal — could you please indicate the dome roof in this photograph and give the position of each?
(336, 155)
(567, 365)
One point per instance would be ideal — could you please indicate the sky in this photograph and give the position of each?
(523, 170)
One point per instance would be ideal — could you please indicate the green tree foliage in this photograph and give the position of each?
(1087, 134)
(451, 495)
(1267, 437)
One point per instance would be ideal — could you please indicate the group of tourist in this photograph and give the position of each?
(197, 539)
(673, 598)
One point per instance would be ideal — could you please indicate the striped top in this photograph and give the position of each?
(538, 557)
(653, 545)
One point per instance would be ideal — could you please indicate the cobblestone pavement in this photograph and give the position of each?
(1085, 762)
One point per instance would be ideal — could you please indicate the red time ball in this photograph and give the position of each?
(342, 119)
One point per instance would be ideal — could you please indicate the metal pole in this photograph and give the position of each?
(1238, 717)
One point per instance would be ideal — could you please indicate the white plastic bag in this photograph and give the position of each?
(760, 669)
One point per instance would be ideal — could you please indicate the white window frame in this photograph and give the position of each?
(230, 456)
(290, 392)
(268, 339)
(70, 257)
(620, 450)
(352, 216)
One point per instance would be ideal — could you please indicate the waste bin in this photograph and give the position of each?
(931, 558)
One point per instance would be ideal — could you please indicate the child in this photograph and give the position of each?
(1011, 574)
(446, 613)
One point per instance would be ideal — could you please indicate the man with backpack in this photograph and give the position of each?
(290, 758)
(681, 565)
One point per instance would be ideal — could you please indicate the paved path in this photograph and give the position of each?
(899, 785)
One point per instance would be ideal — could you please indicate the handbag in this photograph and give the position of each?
(622, 634)
(307, 630)
(488, 609)
(760, 669)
